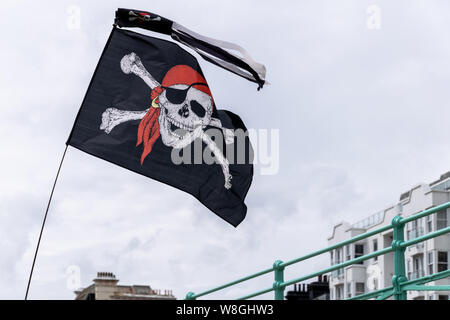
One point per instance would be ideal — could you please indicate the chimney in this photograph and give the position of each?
(106, 279)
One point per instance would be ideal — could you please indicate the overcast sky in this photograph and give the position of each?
(362, 113)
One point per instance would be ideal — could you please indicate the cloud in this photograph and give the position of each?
(362, 117)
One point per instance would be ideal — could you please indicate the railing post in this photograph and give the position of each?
(399, 258)
(278, 285)
(190, 296)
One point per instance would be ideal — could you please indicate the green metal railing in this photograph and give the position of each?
(400, 283)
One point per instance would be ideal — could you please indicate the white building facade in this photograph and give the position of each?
(421, 259)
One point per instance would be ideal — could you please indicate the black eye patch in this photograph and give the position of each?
(177, 96)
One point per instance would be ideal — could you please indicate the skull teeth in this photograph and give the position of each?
(179, 124)
(177, 135)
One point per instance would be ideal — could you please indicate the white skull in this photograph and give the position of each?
(177, 118)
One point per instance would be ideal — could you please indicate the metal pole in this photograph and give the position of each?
(278, 284)
(43, 223)
(399, 258)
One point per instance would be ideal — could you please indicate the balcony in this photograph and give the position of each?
(416, 274)
(416, 249)
(370, 221)
(337, 275)
(414, 233)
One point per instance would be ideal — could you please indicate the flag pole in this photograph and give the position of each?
(43, 223)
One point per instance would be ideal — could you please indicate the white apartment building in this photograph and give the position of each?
(422, 259)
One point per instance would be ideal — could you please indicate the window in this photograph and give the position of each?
(408, 268)
(415, 227)
(430, 223)
(418, 267)
(338, 255)
(340, 273)
(411, 231)
(348, 252)
(349, 290)
(442, 297)
(430, 263)
(339, 292)
(359, 251)
(331, 257)
(375, 248)
(415, 230)
(359, 286)
(441, 219)
(442, 263)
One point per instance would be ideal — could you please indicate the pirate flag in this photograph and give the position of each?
(149, 109)
(224, 54)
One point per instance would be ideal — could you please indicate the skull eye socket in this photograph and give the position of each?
(198, 109)
(177, 96)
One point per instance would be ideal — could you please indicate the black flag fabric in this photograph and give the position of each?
(149, 109)
(224, 54)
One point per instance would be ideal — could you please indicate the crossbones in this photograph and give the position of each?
(185, 111)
